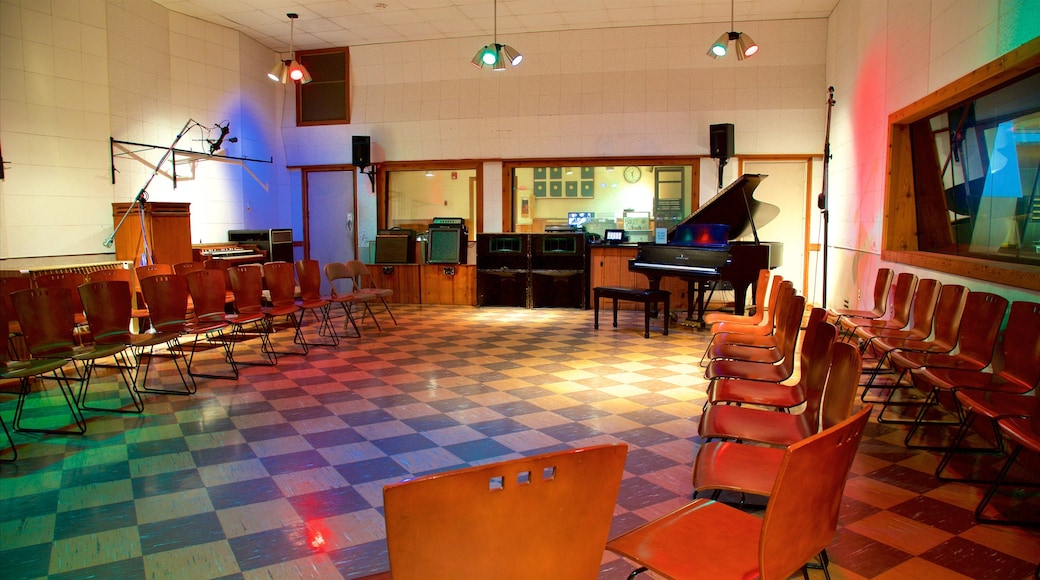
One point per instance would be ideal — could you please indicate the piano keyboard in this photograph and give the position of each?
(673, 267)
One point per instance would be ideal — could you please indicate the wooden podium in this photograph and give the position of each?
(167, 225)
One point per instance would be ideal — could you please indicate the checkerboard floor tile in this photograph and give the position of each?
(279, 474)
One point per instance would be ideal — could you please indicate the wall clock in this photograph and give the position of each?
(632, 174)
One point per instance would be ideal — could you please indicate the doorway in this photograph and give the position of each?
(329, 210)
(787, 187)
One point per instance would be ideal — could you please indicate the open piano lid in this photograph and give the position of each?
(736, 207)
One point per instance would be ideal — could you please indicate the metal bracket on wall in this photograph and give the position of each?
(134, 150)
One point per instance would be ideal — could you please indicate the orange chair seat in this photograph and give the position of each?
(729, 466)
(995, 404)
(758, 393)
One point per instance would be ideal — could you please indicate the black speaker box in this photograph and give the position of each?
(721, 140)
(446, 246)
(395, 247)
(362, 151)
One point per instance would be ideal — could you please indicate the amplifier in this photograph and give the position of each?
(395, 246)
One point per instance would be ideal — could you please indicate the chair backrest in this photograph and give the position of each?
(110, 274)
(308, 272)
(543, 516)
(339, 271)
(814, 379)
(69, 280)
(8, 285)
(839, 394)
(167, 298)
(901, 299)
(47, 320)
(281, 283)
(922, 312)
(1020, 352)
(207, 290)
(788, 323)
(882, 288)
(184, 267)
(802, 514)
(6, 311)
(359, 272)
(774, 297)
(247, 283)
(817, 344)
(108, 307)
(949, 310)
(150, 270)
(977, 337)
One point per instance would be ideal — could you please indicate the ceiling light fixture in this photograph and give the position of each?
(746, 47)
(495, 55)
(290, 70)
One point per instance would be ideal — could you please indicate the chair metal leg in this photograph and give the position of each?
(70, 398)
(190, 387)
(955, 447)
(229, 357)
(999, 481)
(637, 572)
(135, 396)
(10, 442)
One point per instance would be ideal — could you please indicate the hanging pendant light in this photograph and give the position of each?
(495, 55)
(746, 47)
(290, 70)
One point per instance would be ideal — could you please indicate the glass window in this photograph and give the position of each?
(636, 198)
(416, 197)
(978, 195)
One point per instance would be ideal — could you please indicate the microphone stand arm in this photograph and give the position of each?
(143, 194)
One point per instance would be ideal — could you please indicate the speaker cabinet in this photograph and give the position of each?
(362, 151)
(395, 247)
(446, 246)
(721, 139)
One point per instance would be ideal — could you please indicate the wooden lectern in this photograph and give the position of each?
(167, 226)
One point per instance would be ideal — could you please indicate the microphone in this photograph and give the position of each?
(214, 145)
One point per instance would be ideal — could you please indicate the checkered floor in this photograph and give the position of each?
(279, 474)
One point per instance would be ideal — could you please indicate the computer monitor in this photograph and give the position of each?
(614, 236)
(578, 218)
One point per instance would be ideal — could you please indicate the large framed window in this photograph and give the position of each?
(963, 194)
(414, 193)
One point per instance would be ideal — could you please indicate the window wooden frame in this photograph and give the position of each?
(313, 89)
(899, 226)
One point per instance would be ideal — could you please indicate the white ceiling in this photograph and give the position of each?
(336, 23)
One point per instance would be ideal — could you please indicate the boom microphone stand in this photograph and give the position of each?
(142, 196)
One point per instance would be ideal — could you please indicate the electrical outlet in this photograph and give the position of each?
(846, 303)
(859, 295)
(449, 270)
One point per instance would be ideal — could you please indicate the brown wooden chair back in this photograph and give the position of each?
(839, 395)
(153, 270)
(47, 320)
(1020, 351)
(817, 344)
(184, 267)
(882, 288)
(308, 272)
(546, 516)
(247, 283)
(335, 271)
(167, 298)
(108, 307)
(110, 274)
(984, 315)
(281, 283)
(207, 291)
(802, 515)
(69, 280)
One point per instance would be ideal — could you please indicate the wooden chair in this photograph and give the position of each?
(1015, 369)
(825, 405)
(761, 294)
(184, 268)
(347, 298)
(281, 284)
(900, 300)
(546, 516)
(207, 291)
(766, 349)
(23, 371)
(949, 310)
(759, 371)
(991, 405)
(107, 302)
(47, 322)
(813, 363)
(248, 287)
(763, 327)
(8, 285)
(121, 275)
(976, 340)
(366, 285)
(167, 298)
(707, 539)
(922, 314)
(882, 287)
(107, 306)
(1024, 433)
(308, 273)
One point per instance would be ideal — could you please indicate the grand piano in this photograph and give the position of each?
(704, 249)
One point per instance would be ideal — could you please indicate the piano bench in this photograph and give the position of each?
(649, 299)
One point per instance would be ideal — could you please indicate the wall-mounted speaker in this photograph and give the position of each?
(721, 140)
(362, 151)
